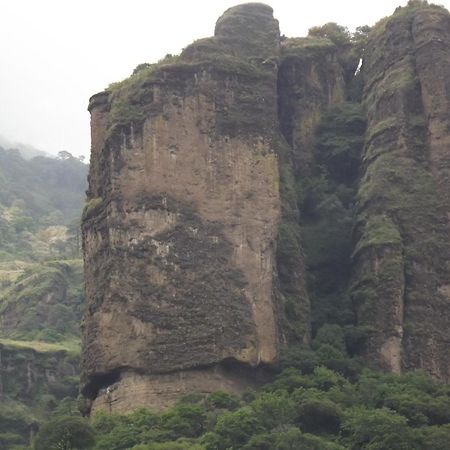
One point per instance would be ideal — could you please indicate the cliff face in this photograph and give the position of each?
(310, 80)
(401, 257)
(183, 218)
(212, 174)
(32, 381)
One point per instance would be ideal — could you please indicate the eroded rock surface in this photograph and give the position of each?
(202, 166)
(402, 256)
(181, 226)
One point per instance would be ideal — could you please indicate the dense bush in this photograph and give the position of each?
(65, 433)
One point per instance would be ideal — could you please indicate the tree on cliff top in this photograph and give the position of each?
(339, 35)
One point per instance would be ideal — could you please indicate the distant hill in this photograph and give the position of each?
(26, 150)
(41, 272)
(36, 194)
(41, 287)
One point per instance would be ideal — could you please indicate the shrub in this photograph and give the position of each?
(319, 416)
(235, 428)
(65, 433)
(378, 429)
(273, 409)
(223, 400)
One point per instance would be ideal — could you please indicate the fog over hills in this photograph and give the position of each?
(27, 151)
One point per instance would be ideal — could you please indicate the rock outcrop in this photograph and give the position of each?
(402, 255)
(310, 80)
(182, 220)
(34, 377)
(207, 167)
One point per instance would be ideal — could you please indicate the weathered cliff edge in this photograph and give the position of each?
(195, 276)
(181, 225)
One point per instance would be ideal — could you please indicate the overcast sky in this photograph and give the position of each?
(56, 53)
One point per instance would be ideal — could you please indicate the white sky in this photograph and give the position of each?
(55, 54)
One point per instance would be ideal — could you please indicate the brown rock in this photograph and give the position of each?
(182, 219)
(401, 260)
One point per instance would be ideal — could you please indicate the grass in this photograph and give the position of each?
(10, 276)
(306, 46)
(378, 231)
(72, 347)
(90, 206)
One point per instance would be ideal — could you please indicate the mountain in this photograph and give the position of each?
(256, 190)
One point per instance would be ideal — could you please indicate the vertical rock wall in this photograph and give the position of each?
(311, 80)
(401, 258)
(182, 219)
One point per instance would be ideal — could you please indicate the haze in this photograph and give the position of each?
(56, 54)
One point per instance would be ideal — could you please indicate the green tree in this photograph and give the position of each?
(223, 400)
(378, 429)
(319, 416)
(294, 439)
(235, 428)
(434, 438)
(184, 420)
(337, 34)
(273, 409)
(65, 433)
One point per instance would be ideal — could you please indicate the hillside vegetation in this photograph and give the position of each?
(319, 400)
(40, 204)
(41, 290)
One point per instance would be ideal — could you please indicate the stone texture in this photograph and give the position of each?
(164, 390)
(310, 80)
(401, 260)
(182, 217)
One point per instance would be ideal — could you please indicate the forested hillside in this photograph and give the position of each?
(40, 204)
(41, 289)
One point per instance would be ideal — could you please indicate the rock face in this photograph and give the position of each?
(26, 373)
(181, 226)
(201, 168)
(32, 380)
(310, 80)
(402, 255)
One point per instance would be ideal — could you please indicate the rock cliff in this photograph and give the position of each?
(34, 377)
(402, 253)
(180, 230)
(224, 190)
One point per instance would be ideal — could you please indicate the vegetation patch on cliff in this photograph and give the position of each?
(327, 209)
(378, 230)
(307, 47)
(200, 65)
